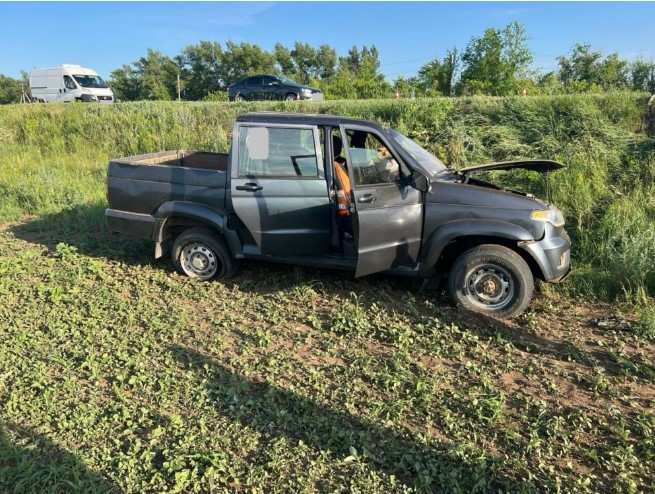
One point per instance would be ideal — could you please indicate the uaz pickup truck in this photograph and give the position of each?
(392, 207)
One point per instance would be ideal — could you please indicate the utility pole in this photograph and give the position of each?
(178, 87)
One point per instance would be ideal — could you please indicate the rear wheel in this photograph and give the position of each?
(199, 253)
(492, 280)
(239, 98)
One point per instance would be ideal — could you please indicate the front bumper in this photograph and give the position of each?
(552, 253)
(317, 96)
(91, 98)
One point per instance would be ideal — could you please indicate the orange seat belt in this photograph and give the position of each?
(344, 190)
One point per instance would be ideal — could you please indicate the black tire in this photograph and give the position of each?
(491, 280)
(214, 260)
(239, 98)
(291, 97)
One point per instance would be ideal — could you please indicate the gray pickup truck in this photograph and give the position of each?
(277, 196)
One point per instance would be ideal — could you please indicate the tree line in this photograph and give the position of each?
(499, 62)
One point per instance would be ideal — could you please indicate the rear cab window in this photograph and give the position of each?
(278, 152)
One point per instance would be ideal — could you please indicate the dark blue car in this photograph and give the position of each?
(270, 87)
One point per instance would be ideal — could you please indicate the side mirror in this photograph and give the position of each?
(420, 182)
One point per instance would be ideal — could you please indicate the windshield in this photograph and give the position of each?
(425, 159)
(93, 81)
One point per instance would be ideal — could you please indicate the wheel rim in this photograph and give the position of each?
(489, 286)
(291, 97)
(199, 261)
(238, 97)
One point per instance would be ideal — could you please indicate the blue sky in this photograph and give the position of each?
(106, 35)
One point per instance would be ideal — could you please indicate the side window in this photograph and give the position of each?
(267, 80)
(277, 152)
(254, 81)
(371, 160)
(69, 83)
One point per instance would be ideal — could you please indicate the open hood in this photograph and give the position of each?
(541, 166)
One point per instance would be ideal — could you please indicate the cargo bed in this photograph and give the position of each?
(140, 184)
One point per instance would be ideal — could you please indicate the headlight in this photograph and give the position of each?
(306, 91)
(553, 216)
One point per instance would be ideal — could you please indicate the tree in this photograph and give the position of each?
(366, 78)
(152, 77)
(585, 69)
(284, 61)
(11, 90)
(352, 60)
(495, 62)
(357, 76)
(642, 76)
(406, 87)
(126, 83)
(326, 62)
(304, 58)
(240, 60)
(201, 69)
(438, 76)
(581, 66)
(158, 74)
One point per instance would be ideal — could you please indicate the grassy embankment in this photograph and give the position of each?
(55, 158)
(117, 374)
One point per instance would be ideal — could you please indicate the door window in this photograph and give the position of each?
(267, 80)
(254, 81)
(371, 159)
(69, 83)
(277, 152)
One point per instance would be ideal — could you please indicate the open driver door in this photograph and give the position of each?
(387, 212)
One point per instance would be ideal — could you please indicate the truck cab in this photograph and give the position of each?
(276, 196)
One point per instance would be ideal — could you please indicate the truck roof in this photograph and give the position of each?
(78, 69)
(301, 119)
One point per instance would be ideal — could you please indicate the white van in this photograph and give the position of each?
(65, 83)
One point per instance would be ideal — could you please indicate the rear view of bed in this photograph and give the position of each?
(141, 184)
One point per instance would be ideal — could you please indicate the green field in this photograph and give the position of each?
(117, 374)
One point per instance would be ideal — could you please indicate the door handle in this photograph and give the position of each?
(366, 198)
(250, 187)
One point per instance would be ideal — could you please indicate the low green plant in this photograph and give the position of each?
(646, 323)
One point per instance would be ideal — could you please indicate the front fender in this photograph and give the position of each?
(190, 210)
(453, 230)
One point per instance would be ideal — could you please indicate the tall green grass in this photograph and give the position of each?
(54, 157)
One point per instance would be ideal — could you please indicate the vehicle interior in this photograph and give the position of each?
(343, 241)
(372, 163)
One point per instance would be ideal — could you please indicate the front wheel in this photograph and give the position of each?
(199, 253)
(291, 97)
(492, 280)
